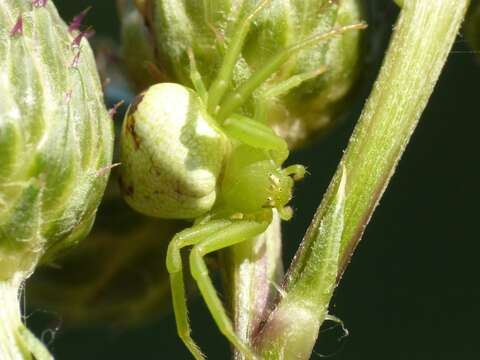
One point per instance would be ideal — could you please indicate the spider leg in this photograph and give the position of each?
(236, 232)
(296, 171)
(186, 237)
(234, 99)
(222, 82)
(196, 77)
(265, 97)
(257, 135)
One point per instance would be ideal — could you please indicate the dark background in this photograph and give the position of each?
(411, 290)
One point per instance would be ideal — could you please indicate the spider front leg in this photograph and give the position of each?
(237, 231)
(187, 237)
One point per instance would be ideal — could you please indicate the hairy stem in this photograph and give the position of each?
(418, 50)
(423, 37)
(252, 269)
(16, 341)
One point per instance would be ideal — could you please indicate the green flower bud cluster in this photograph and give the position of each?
(323, 75)
(56, 141)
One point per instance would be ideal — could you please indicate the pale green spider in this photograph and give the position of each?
(186, 154)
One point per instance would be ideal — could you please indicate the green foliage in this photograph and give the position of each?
(210, 156)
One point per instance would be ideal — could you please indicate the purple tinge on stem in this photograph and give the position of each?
(77, 20)
(18, 27)
(39, 3)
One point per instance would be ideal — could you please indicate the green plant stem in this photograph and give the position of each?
(422, 39)
(9, 321)
(16, 341)
(418, 51)
(250, 268)
(293, 326)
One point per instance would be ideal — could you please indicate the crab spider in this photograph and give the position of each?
(188, 154)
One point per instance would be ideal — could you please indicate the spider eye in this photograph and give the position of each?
(280, 189)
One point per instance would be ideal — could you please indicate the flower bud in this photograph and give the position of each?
(55, 144)
(55, 138)
(325, 73)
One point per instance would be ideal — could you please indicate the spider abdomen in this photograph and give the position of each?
(168, 132)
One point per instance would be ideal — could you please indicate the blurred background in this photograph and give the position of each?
(411, 290)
